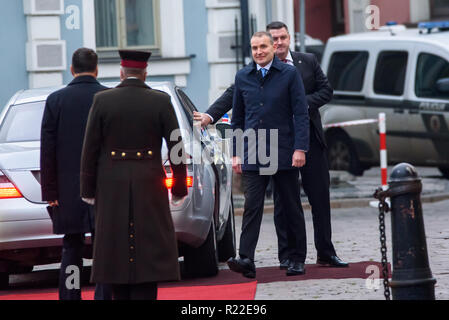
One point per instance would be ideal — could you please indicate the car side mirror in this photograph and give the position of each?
(221, 128)
(443, 85)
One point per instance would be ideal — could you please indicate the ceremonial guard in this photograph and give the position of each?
(122, 172)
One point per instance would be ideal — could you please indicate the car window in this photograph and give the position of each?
(429, 70)
(186, 104)
(23, 123)
(189, 108)
(346, 70)
(390, 73)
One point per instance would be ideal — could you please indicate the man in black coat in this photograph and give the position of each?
(315, 174)
(62, 136)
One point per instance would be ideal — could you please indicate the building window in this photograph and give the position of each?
(440, 8)
(126, 24)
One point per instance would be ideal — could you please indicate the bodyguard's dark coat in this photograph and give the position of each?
(122, 169)
(62, 136)
(318, 90)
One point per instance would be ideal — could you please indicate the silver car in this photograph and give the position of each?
(204, 223)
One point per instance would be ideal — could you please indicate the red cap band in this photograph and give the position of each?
(134, 64)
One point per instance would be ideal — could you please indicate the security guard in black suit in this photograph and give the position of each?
(315, 174)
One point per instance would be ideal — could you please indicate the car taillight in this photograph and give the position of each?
(7, 189)
(169, 182)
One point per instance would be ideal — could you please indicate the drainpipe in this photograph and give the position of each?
(269, 10)
(302, 19)
(244, 8)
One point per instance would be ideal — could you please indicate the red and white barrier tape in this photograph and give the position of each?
(383, 141)
(350, 123)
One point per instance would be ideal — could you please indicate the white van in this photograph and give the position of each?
(398, 71)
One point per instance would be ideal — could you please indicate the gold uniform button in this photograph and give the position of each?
(132, 248)
(131, 260)
(113, 153)
(131, 224)
(139, 154)
(150, 153)
(131, 236)
(123, 154)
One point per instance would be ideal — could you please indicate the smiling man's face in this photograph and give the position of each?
(263, 50)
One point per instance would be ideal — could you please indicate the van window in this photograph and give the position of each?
(429, 70)
(346, 70)
(390, 73)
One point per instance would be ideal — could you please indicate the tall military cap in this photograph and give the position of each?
(134, 59)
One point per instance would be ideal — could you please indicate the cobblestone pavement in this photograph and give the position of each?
(356, 239)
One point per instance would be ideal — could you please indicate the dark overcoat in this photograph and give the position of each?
(122, 169)
(318, 93)
(318, 90)
(276, 102)
(62, 135)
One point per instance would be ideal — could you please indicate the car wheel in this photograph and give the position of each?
(4, 280)
(445, 172)
(227, 247)
(203, 261)
(342, 154)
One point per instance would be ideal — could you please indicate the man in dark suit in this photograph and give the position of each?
(315, 174)
(269, 97)
(122, 173)
(62, 135)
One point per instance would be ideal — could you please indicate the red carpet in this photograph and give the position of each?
(241, 291)
(227, 285)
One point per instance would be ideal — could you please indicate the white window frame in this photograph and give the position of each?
(121, 28)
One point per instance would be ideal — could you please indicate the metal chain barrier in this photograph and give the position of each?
(383, 208)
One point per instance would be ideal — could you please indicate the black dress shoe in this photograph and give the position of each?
(244, 266)
(284, 264)
(296, 269)
(333, 261)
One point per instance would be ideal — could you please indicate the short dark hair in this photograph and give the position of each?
(276, 25)
(129, 72)
(84, 60)
(261, 34)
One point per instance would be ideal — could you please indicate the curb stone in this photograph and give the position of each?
(353, 203)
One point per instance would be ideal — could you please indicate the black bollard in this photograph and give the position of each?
(412, 278)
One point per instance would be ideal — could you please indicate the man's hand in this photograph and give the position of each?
(54, 203)
(299, 159)
(89, 201)
(237, 165)
(203, 118)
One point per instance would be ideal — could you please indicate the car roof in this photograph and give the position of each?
(401, 33)
(41, 94)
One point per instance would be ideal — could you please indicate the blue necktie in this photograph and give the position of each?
(264, 72)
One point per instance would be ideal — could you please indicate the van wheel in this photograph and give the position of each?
(342, 154)
(227, 247)
(4, 280)
(445, 172)
(203, 261)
